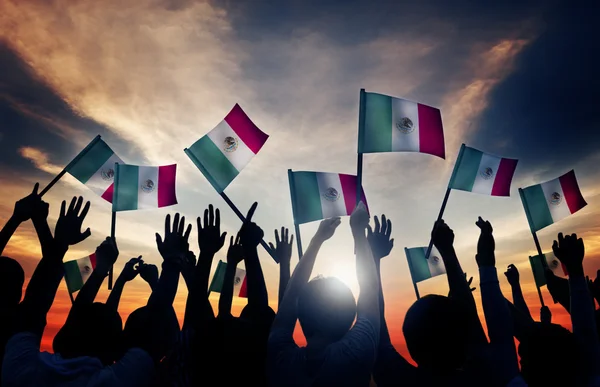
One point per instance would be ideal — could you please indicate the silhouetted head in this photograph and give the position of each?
(436, 332)
(326, 309)
(151, 333)
(549, 356)
(12, 278)
(94, 330)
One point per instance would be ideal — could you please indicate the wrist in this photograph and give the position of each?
(575, 270)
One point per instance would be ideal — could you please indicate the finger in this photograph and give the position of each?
(561, 238)
(181, 225)
(270, 245)
(555, 247)
(287, 235)
(369, 231)
(283, 235)
(218, 219)
(388, 230)
(231, 241)
(251, 212)
(62, 208)
(377, 225)
(392, 242)
(237, 239)
(175, 228)
(223, 238)
(72, 204)
(78, 204)
(198, 225)
(84, 213)
(276, 237)
(35, 189)
(167, 224)
(383, 224)
(86, 234)
(188, 231)
(159, 240)
(206, 218)
(211, 215)
(292, 239)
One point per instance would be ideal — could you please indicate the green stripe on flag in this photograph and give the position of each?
(466, 170)
(216, 285)
(377, 132)
(212, 162)
(73, 276)
(90, 161)
(308, 199)
(536, 208)
(539, 270)
(419, 266)
(125, 196)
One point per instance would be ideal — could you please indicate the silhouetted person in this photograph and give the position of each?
(12, 278)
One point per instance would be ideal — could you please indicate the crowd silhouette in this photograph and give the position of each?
(348, 341)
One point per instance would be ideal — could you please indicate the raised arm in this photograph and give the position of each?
(106, 255)
(250, 236)
(285, 320)
(570, 250)
(49, 272)
(235, 255)
(25, 209)
(130, 271)
(283, 251)
(512, 275)
(497, 314)
(149, 273)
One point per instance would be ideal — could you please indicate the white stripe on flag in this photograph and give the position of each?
(486, 174)
(147, 187)
(555, 200)
(405, 137)
(331, 195)
(435, 262)
(104, 177)
(234, 149)
(85, 268)
(237, 285)
(555, 265)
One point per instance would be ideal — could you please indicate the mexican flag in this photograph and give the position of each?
(78, 271)
(399, 125)
(239, 281)
(94, 166)
(227, 149)
(322, 195)
(138, 188)
(422, 268)
(549, 202)
(539, 263)
(479, 172)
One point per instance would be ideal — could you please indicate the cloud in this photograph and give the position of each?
(40, 160)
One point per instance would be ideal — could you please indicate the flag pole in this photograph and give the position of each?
(359, 159)
(296, 225)
(445, 201)
(536, 282)
(65, 169)
(533, 234)
(113, 223)
(410, 268)
(243, 219)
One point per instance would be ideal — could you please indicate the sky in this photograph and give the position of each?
(514, 78)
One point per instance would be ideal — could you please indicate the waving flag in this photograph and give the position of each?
(227, 149)
(321, 195)
(422, 268)
(398, 125)
(539, 263)
(144, 187)
(78, 271)
(239, 281)
(479, 172)
(94, 166)
(549, 202)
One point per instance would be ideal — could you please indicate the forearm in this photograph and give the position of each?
(44, 234)
(366, 272)
(499, 321)
(519, 301)
(168, 282)
(584, 321)
(198, 309)
(203, 271)
(384, 334)
(257, 290)
(90, 289)
(227, 292)
(284, 278)
(7, 232)
(115, 295)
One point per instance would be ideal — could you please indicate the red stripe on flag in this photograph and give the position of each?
(108, 194)
(166, 185)
(348, 183)
(506, 171)
(564, 269)
(431, 131)
(93, 260)
(573, 197)
(244, 288)
(243, 126)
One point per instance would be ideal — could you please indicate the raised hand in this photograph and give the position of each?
(187, 265)
(25, 208)
(486, 245)
(545, 315)
(327, 228)
(469, 282)
(359, 220)
(594, 286)
(283, 246)
(512, 275)
(106, 255)
(570, 251)
(250, 233)
(68, 227)
(442, 236)
(132, 269)
(176, 241)
(210, 239)
(379, 239)
(149, 273)
(235, 252)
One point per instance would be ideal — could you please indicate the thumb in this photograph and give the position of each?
(159, 240)
(86, 234)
